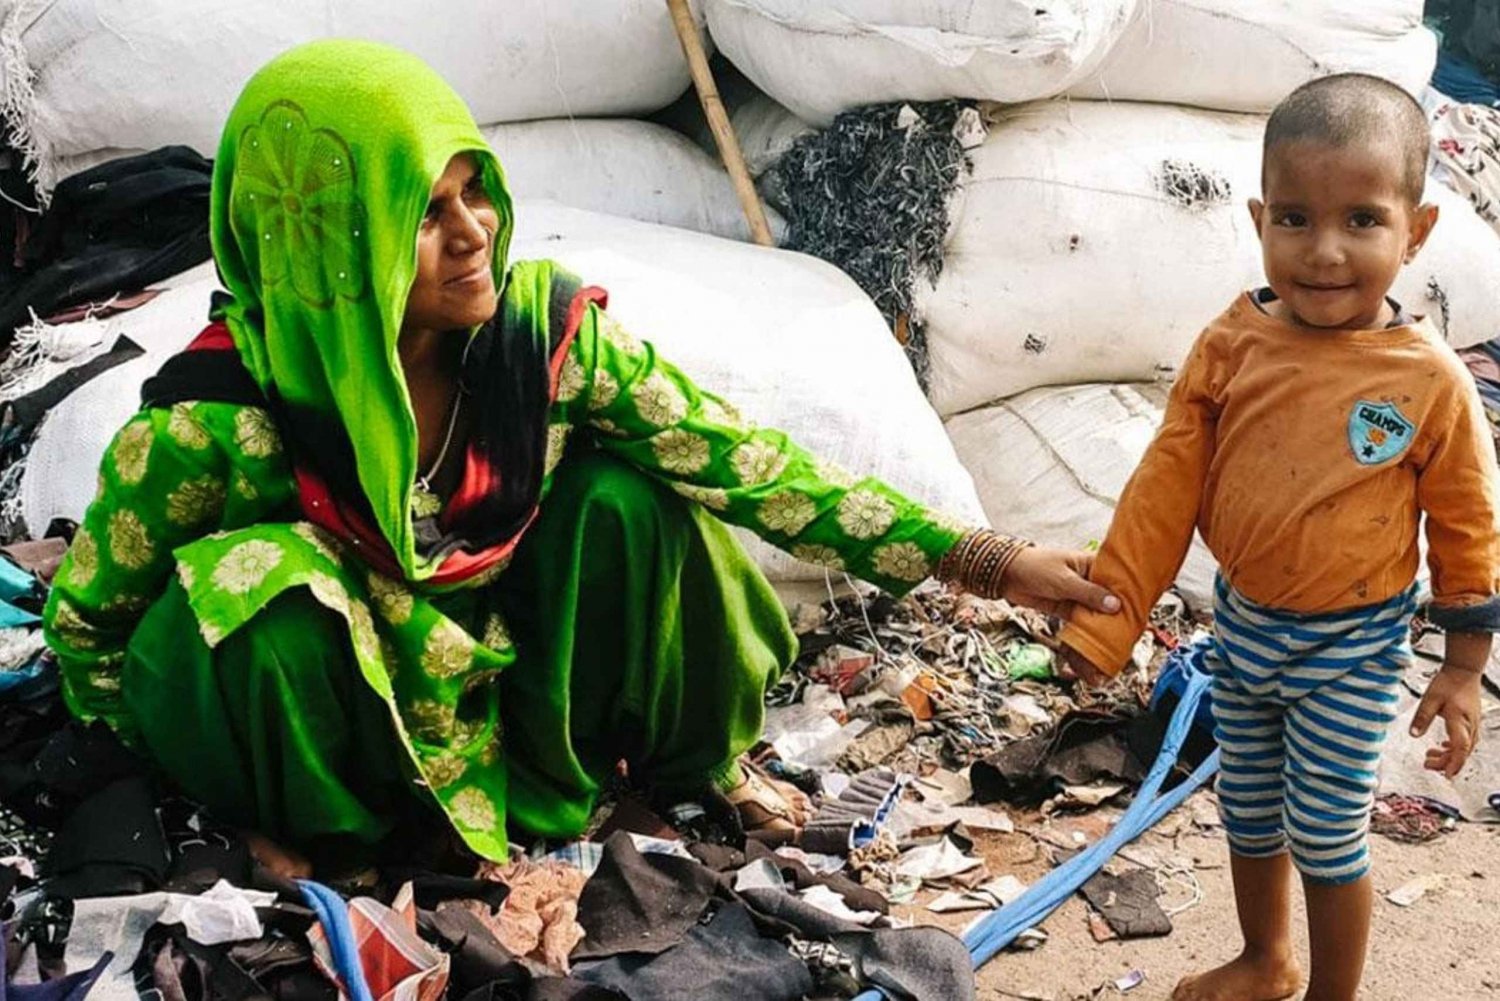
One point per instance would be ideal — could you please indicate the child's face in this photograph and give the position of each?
(1335, 228)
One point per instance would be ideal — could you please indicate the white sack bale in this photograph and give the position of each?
(1093, 241)
(766, 130)
(788, 338)
(138, 74)
(821, 57)
(61, 468)
(622, 167)
(1050, 465)
(1246, 55)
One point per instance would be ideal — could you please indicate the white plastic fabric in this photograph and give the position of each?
(788, 338)
(622, 167)
(138, 74)
(1050, 465)
(766, 130)
(821, 57)
(1094, 241)
(1246, 55)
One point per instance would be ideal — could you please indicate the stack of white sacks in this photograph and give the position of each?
(791, 339)
(1104, 223)
(88, 80)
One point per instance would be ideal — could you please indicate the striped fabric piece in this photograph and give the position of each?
(1301, 705)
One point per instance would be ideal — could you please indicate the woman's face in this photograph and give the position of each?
(454, 287)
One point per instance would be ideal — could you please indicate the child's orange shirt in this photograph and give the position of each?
(1307, 458)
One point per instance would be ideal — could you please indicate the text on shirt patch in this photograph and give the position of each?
(1378, 432)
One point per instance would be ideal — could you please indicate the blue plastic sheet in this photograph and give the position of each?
(15, 582)
(1463, 81)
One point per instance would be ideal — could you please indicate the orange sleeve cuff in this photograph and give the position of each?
(1104, 640)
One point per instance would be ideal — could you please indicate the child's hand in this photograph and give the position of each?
(1453, 695)
(1074, 666)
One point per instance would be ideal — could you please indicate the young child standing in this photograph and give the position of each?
(1313, 426)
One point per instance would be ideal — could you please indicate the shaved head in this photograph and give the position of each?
(1354, 109)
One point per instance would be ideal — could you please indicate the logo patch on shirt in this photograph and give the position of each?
(1378, 432)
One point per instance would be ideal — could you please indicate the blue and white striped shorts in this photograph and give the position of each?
(1301, 705)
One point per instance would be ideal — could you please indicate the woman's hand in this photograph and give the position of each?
(1053, 581)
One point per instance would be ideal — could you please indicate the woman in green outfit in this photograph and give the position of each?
(412, 525)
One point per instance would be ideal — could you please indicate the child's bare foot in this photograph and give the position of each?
(1248, 978)
(278, 860)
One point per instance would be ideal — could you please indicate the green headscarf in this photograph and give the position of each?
(323, 176)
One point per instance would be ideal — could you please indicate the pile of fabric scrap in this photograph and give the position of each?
(114, 886)
(933, 729)
(902, 717)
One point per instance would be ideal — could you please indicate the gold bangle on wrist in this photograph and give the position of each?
(980, 560)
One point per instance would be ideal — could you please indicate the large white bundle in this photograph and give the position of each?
(1094, 241)
(137, 74)
(788, 338)
(622, 167)
(1246, 55)
(1050, 465)
(821, 57)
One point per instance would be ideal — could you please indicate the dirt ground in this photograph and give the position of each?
(1446, 945)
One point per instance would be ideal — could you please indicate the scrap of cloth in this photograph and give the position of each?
(371, 951)
(114, 928)
(539, 918)
(1466, 146)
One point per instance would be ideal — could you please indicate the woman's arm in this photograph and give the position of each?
(169, 476)
(648, 412)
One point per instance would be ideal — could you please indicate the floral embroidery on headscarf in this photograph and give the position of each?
(294, 190)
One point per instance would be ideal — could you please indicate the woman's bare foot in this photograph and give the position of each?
(1248, 978)
(277, 860)
(770, 811)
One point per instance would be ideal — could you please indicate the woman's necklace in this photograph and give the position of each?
(424, 482)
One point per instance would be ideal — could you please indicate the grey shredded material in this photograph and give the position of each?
(1192, 187)
(871, 197)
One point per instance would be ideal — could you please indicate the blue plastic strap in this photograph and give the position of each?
(333, 914)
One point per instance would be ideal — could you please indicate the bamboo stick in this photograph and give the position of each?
(718, 122)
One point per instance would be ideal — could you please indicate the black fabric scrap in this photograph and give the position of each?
(908, 964)
(721, 958)
(111, 845)
(1084, 748)
(432, 888)
(1128, 903)
(638, 903)
(20, 417)
(202, 852)
(113, 228)
(476, 957)
(44, 776)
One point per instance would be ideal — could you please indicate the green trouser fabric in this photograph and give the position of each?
(643, 632)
